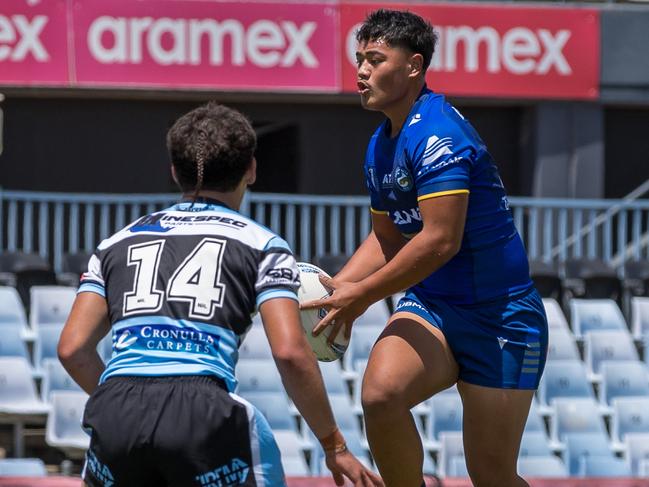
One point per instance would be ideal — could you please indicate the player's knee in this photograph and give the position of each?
(378, 397)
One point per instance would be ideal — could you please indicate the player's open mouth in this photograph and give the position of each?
(362, 88)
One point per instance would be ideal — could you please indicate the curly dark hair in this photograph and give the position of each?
(400, 28)
(211, 148)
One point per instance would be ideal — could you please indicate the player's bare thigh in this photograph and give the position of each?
(491, 413)
(410, 361)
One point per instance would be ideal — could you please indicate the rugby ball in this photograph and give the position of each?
(311, 288)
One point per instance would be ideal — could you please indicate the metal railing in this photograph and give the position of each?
(54, 224)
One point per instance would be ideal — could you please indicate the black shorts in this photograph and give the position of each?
(177, 431)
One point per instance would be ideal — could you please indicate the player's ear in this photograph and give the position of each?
(416, 65)
(174, 175)
(251, 173)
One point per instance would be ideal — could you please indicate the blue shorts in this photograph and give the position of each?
(499, 344)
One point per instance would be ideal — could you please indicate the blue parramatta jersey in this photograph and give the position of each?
(439, 153)
(181, 287)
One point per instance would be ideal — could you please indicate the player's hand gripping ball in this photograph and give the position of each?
(311, 288)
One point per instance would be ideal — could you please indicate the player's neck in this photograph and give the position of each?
(232, 199)
(400, 110)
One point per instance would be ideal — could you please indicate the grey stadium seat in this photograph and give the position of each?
(607, 345)
(562, 345)
(595, 315)
(56, 378)
(623, 378)
(63, 429)
(50, 305)
(630, 415)
(258, 375)
(556, 318)
(12, 311)
(581, 445)
(564, 378)
(11, 343)
(575, 415)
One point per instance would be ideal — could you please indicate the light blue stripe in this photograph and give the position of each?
(92, 288)
(269, 455)
(277, 242)
(275, 293)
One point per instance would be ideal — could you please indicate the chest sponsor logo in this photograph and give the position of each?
(232, 473)
(436, 148)
(167, 338)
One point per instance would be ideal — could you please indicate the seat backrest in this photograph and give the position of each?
(11, 342)
(258, 375)
(56, 378)
(361, 343)
(637, 449)
(562, 345)
(47, 339)
(64, 420)
(457, 467)
(604, 466)
(275, 408)
(333, 378)
(255, 345)
(547, 466)
(580, 445)
(534, 421)
(534, 443)
(345, 418)
(376, 315)
(22, 467)
(564, 378)
(575, 415)
(11, 307)
(630, 415)
(451, 445)
(22, 261)
(601, 346)
(639, 317)
(16, 383)
(445, 413)
(50, 305)
(556, 318)
(623, 378)
(76, 263)
(595, 315)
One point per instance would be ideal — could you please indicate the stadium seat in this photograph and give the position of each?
(292, 448)
(24, 270)
(361, 343)
(556, 318)
(580, 445)
(445, 414)
(561, 345)
(534, 444)
(255, 345)
(545, 466)
(258, 375)
(12, 312)
(606, 346)
(636, 277)
(643, 466)
(256, 320)
(595, 315)
(639, 317)
(377, 314)
(457, 467)
(73, 266)
(636, 450)
(333, 378)
(275, 408)
(546, 279)
(623, 378)
(564, 378)
(105, 347)
(55, 378)
(50, 305)
(345, 418)
(11, 342)
(575, 415)
(47, 339)
(22, 467)
(592, 279)
(630, 415)
(63, 429)
(451, 445)
(604, 466)
(534, 421)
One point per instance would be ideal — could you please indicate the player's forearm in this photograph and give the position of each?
(368, 258)
(84, 366)
(303, 383)
(417, 260)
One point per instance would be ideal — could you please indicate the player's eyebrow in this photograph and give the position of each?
(369, 53)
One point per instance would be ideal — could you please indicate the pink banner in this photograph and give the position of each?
(499, 50)
(33, 42)
(206, 44)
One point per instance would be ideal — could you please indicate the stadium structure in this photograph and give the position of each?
(558, 91)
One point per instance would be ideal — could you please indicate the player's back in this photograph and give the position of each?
(181, 285)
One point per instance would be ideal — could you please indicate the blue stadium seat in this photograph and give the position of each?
(275, 408)
(333, 378)
(534, 421)
(451, 446)
(604, 466)
(50, 305)
(376, 315)
(545, 466)
(354, 445)
(457, 467)
(12, 311)
(258, 375)
(581, 445)
(561, 345)
(534, 444)
(607, 345)
(47, 339)
(623, 378)
(361, 343)
(636, 450)
(445, 414)
(56, 378)
(630, 415)
(564, 378)
(639, 317)
(11, 342)
(292, 448)
(255, 345)
(22, 467)
(556, 318)
(595, 315)
(575, 415)
(63, 429)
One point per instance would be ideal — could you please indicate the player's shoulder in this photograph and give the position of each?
(434, 113)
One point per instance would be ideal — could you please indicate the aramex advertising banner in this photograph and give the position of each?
(206, 44)
(499, 51)
(483, 51)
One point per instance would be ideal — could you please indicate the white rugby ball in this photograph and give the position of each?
(311, 288)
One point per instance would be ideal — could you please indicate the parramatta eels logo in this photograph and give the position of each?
(402, 178)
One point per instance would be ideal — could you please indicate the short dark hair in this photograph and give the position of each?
(400, 28)
(211, 148)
